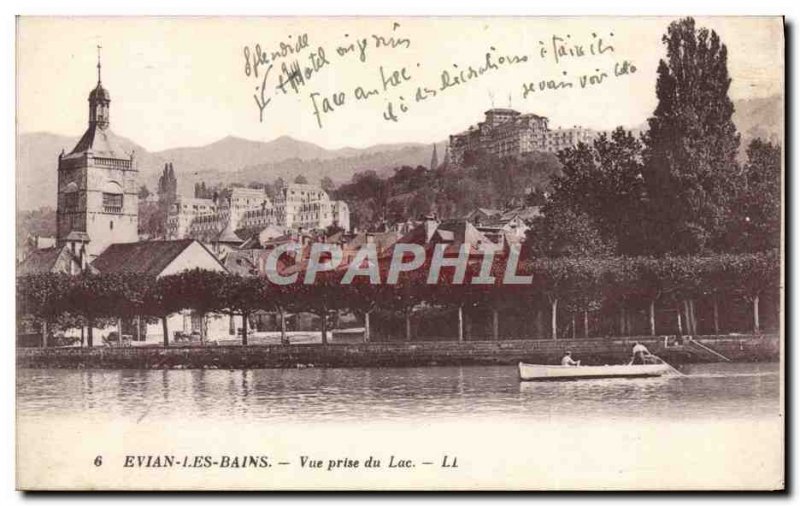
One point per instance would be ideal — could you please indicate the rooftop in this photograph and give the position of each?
(149, 257)
(100, 142)
(41, 261)
(500, 110)
(100, 93)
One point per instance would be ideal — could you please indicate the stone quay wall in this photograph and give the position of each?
(740, 348)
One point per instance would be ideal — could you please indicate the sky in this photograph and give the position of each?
(190, 81)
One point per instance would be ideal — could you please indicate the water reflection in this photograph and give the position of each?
(708, 391)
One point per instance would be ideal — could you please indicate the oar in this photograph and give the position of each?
(668, 364)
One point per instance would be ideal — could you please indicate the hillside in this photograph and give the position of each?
(759, 118)
(37, 166)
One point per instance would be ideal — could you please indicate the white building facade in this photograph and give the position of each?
(297, 206)
(506, 132)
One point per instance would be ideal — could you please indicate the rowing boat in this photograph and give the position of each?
(536, 372)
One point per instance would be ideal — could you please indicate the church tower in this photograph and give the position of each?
(98, 203)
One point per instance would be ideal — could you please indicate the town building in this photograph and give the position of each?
(52, 260)
(259, 238)
(98, 201)
(508, 225)
(308, 207)
(506, 132)
(206, 218)
(32, 243)
(297, 207)
(226, 241)
(190, 215)
(455, 234)
(156, 258)
(163, 258)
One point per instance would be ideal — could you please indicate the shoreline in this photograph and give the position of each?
(596, 351)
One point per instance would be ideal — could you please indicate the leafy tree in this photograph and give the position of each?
(44, 296)
(201, 191)
(163, 299)
(320, 297)
(363, 298)
(327, 184)
(241, 295)
(152, 221)
(617, 192)
(690, 149)
(37, 222)
(96, 297)
(199, 291)
(564, 232)
(651, 285)
(278, 298)
(756, 221)
(410, 290)
(756, 275)
(367, 196)
(717, 280)
(450, 191)
(332, 229)
(588, 277)
(167, 195)
(421, 203)
(300, 179)
(552, 280)
(597, 202)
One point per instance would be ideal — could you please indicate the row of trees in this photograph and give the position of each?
(578, 286)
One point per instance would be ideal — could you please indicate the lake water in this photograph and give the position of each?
(705, 392)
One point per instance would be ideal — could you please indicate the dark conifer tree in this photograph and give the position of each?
(690, 150)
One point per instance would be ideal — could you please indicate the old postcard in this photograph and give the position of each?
(412, 253)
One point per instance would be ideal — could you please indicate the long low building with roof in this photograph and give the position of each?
(164, 258)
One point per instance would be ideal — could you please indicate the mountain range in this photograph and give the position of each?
(236, 160)
(229, 160)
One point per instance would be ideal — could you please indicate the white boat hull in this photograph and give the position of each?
(535, 372)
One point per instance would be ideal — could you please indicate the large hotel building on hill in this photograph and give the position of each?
(506, 132)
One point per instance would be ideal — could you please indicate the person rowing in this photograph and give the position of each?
(641, 355)
(567, 360)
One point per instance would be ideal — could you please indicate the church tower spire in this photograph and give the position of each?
(99, 101)
(434, 159)
(98, 64)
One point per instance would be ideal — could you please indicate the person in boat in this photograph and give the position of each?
(567, 360)
(641, 355)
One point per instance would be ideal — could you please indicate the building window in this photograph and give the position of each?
(112, 203)
(71, 202)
